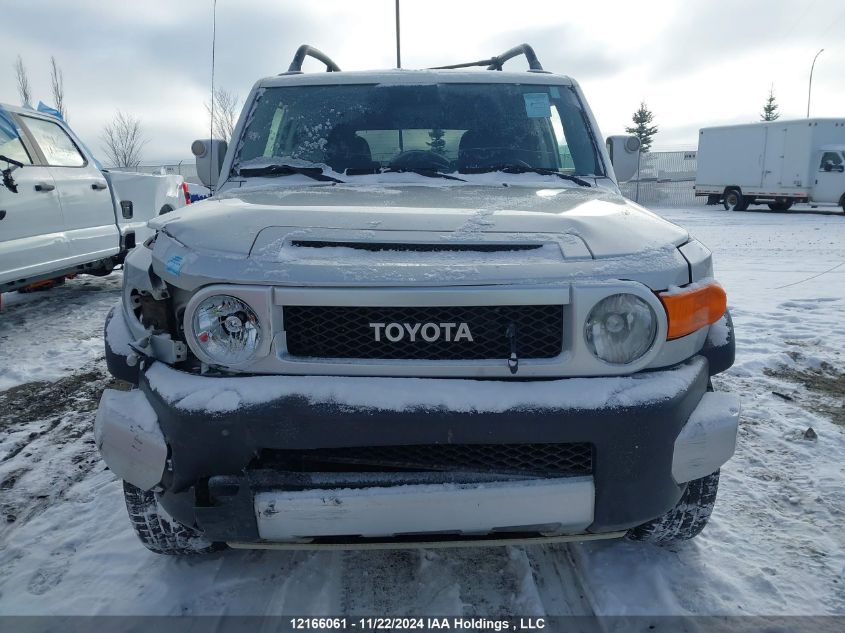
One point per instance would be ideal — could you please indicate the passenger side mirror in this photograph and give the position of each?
(624, 155)
(210, 154)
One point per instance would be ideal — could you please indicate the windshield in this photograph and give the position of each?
(439, 128)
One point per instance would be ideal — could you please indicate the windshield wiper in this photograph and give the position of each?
(422, 171)
(11, 161)
(315, 173)
(523, 169)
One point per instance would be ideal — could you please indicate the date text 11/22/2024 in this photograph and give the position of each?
(416, 623)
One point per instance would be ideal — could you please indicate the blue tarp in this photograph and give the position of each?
(8, 129)
(43, 107)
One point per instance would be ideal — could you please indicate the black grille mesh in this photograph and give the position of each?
(344, 332)
(529, 459)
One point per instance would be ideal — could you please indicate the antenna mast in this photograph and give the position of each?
(211, 125)
(398, 55)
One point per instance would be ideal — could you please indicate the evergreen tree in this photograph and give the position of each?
(437, 143)
(770, 110)
(642, 128)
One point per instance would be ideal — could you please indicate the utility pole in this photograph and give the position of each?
(398, 56)
(809, 89)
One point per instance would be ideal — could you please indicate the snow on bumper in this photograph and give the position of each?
(558, 505)
(221, 396)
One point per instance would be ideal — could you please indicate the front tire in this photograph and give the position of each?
(686, 519)
(735, 201)
(158, 532)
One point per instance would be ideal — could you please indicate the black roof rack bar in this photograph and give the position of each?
(495, 63)
(310, 51)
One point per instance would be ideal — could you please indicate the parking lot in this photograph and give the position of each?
(775, 545)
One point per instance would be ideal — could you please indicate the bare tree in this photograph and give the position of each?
(23, 82)
(123, 140)
(224, 114)
(57, 83)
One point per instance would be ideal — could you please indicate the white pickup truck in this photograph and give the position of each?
(60, 213)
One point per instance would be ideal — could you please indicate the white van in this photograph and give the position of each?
(60, 213)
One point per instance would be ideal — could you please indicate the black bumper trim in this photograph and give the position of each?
(634, 446)
(116, 363)
(721, 357)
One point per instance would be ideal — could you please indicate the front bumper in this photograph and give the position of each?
(649, 433)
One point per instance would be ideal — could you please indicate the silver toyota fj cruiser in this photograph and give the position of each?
(417, 310)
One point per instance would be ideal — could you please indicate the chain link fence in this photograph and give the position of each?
(186, 168)
(665, 179)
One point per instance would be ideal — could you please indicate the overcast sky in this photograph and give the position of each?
(694, 62)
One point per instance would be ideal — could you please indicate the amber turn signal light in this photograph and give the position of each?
(690, 309)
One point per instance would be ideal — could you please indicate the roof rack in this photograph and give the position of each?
(495, 63)
(309, 51)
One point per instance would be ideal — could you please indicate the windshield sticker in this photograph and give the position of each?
(554, 92)
(537, 105)
(174, 265)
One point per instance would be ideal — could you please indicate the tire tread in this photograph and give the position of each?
(687, 519)
(159, 533)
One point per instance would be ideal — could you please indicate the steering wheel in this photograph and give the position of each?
(419, 159)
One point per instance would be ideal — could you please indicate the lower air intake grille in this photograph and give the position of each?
(528, 459)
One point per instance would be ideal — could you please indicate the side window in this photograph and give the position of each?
(58, 148)
(831, 161)
(10, 144)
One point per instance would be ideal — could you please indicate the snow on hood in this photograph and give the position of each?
(610, 225)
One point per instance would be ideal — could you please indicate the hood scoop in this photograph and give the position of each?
(364, 247)
(418, 247)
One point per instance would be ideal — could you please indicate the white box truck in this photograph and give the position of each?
(777, 163)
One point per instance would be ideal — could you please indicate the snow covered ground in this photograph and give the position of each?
(775, 546)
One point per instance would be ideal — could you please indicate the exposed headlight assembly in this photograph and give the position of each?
(620, 329)
(226, 329)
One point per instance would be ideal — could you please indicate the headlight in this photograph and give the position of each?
(620, 328)
(226, 329)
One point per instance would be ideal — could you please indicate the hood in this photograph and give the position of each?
(240, 222)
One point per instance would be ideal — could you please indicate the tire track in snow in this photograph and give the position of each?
(559, 582)
(49, 445)
(490, 582)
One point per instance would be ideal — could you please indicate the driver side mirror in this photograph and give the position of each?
(624, 156)
(210, 154)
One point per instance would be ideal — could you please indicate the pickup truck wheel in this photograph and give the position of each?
(157, 531)
(780, 205)
(686, 519)
(735, 201)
